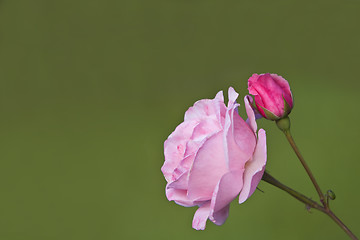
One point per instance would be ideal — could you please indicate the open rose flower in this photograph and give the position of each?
(212, 157)
(272, 93)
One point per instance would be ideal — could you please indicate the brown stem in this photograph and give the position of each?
(309, 203)
(307, 169)
(340, 223)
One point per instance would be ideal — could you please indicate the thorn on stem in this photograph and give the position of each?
(330, 194)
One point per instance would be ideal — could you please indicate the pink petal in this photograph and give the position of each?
(254, 168)
(192, 146)
(179, 196)
(250, 112)
(285, 86)
(181, 182)
(220, 216)
(208, 167)
(239, 140)
(220, 96)
(251, 81)
(205, 128)
(259, 104)
(174, 147)
(220, 108)
(201, 216)
(271, 94)
(206, 108)
(233, 95)
(227, 189)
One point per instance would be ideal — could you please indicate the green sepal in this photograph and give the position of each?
(253, 105)
(287, 108)
(270, 115)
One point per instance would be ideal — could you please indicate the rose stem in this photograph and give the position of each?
(310, 203)
(284, 125)
(307, 169)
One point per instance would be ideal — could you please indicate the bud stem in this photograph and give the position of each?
(309, 203)
(284, 125)
(307, 169)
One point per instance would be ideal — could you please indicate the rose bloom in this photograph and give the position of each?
(212, 157)
(271, 91)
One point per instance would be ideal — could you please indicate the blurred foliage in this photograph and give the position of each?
(89, 91)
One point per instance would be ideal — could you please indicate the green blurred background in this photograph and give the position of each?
(89, 91)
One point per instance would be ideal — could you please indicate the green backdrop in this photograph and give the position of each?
(89, 91)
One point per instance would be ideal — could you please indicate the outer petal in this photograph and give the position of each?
(250, 112)
(220, 216)
(201, 216)
(174, 148)
(208, 167)
(239, 139)
(286, 88)
(233, 95)
(206, 127)
(183, 167)
(227, 189)
(254, 168)
(180, 183)
(207, 108)
(259, 104)
(201, 131)
(271, 94)
(179, 196)
(252, 90)
(252, 80)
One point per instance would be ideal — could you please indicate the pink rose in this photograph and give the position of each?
(213, 156)
(271, 91)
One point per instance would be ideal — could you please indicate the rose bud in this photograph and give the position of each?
(272, 93)
(213, 157)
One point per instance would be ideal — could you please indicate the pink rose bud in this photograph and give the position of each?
(213, 157)
(272, 93)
